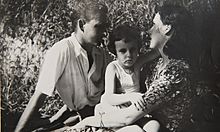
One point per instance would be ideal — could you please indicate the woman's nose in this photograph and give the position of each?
(150, 30)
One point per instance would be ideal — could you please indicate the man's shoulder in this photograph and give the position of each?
(63, 43)
(61, 46)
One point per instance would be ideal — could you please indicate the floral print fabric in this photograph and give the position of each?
(169, 93)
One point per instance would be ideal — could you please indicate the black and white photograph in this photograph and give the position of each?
(110, 65)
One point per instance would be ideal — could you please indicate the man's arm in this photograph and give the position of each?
(26, 120)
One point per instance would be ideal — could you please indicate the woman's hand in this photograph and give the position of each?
(137, 100)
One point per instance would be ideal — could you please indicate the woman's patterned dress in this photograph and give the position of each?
(169, 91)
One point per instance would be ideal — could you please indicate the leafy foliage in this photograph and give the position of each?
(23, 49)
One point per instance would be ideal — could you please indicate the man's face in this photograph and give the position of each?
(157, 32)
(127, 53)
(94, 30)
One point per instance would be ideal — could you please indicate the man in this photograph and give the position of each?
(74, 67)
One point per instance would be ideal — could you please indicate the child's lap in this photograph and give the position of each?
(104, 108)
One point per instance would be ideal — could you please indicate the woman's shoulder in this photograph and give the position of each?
(178, 64)
(178, 70)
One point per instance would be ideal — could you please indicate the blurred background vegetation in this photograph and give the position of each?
(28, 28)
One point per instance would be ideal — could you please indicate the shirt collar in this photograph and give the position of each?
(78, 48)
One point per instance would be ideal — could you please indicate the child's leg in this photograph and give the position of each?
(132, 128)
(102, 108)
(148, 124)
(98, 109)
(152, 126)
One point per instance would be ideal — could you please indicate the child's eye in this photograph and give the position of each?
(133, 49)
(122, 50)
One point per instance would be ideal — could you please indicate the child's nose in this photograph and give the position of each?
(128, 53)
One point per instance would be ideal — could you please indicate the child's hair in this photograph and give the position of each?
(126, 33)
(93, 9)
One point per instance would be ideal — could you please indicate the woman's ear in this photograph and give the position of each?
(81, 24)
(167, 29)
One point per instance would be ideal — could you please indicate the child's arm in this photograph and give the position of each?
(147, 57)
(110, 95)
(112, 98)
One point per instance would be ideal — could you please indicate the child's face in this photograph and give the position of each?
(93, 30)
(127, 53)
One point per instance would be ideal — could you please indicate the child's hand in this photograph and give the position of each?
(138, 100)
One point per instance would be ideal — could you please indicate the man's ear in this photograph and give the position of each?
(81, 24)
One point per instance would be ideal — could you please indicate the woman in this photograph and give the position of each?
(169, 93)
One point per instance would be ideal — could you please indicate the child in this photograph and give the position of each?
(122, 86)
(122, 78)
(122, 75)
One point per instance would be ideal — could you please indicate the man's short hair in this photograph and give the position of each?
(93, 10)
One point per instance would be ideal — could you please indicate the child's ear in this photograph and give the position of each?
(81, 24)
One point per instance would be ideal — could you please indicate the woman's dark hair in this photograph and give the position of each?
(126, 33)
(178, 17)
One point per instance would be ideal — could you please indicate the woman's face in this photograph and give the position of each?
(157, 33)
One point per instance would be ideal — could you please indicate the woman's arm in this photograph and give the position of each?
(167, 87)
